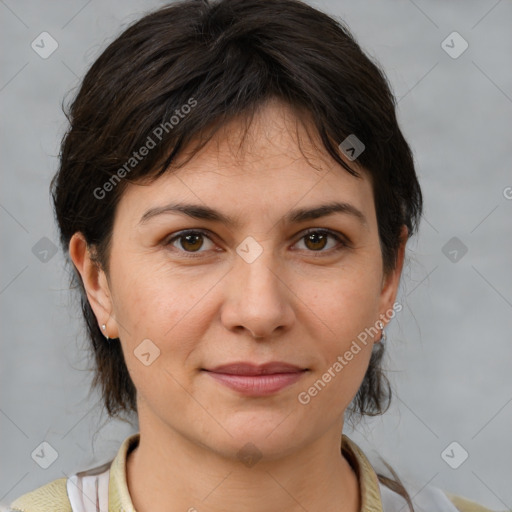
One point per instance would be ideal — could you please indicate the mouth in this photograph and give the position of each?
(256, 380)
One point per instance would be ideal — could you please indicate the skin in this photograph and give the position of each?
(300, 302)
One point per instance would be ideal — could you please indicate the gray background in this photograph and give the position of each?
(449, 349)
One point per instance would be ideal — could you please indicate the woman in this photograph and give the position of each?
(235, 196)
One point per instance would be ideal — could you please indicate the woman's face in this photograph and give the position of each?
(257, 290)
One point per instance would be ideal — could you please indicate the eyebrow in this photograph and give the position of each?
(298, 215)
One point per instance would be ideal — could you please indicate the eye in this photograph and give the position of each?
(316, 240)
(190, 241)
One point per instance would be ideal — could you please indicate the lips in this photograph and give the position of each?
(256, 380)
(249, 369)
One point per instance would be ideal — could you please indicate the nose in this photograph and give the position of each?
(257, 299)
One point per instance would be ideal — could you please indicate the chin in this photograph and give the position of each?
(269, 435)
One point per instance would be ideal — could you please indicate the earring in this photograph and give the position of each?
(104, 327)
(383, 332)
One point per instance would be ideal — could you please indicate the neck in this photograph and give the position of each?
(167, 471)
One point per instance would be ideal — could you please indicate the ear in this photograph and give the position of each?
(391, 281)
(95, 284)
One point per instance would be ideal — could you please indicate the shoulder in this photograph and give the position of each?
(465, 505)
(379, 493)
(430, 498)
(51, 496)
(78, 490)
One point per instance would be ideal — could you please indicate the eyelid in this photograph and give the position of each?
(343, 241)
(335, 234)
(180, 234)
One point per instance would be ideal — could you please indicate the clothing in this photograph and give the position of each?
(104, 488)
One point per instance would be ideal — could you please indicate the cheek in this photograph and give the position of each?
(171, 311)
(341, 312)
(343, 359)
(154, 302)
(343, 306)
(158, 315)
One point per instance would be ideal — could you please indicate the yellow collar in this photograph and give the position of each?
(119, 497)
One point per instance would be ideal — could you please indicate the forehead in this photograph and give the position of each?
(271, 137)
(266, 168)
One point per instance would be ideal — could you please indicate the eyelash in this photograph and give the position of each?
(342, 243)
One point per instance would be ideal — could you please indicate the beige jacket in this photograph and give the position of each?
(104, 488)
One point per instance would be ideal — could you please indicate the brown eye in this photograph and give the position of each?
(317, 240)
(188, 241)
(192, 242)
